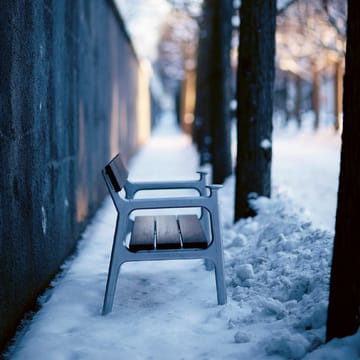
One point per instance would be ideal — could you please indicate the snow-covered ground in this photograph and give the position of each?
(277, 272)
(306, 168)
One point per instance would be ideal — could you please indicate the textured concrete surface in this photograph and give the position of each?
(68, 102)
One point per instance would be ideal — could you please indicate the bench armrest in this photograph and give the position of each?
(131, 188)
(208, 202)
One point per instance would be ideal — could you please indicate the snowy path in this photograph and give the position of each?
(306, 167)
(277, 271)
(163, 310)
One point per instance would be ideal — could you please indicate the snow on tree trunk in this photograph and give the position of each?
(255, 102)
(344, 303)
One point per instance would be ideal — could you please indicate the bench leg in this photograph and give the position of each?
(220, 283)
(219, 261)
(110, 287)
(209, 265)
(114, 268)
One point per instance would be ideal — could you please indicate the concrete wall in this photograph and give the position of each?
(69, 100)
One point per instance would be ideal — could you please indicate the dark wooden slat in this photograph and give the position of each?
(117, 172)
(143, 234)
(191, 232)
(167, 233)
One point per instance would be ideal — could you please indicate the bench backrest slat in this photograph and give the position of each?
(117, 172)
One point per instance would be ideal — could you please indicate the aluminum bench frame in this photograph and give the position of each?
(116, 179)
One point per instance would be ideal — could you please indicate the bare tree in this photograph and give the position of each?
(310, 44)
(176, 48)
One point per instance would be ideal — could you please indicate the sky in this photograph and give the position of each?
(277, 267)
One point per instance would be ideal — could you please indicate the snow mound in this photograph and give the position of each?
(278, 264)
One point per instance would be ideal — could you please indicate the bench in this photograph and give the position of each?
(169, 236)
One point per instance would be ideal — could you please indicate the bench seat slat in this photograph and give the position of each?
(191, 232)
(143, 234)
(167, 233)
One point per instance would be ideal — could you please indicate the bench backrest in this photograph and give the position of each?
(117, 172)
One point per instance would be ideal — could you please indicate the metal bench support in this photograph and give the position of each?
(166, 237)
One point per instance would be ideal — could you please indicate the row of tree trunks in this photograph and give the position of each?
(297, 110)
(254, 138)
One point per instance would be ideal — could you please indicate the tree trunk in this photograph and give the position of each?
(286, 98)
(212, 126)
(338, 94)
(201, 129)
(344, 302)
(220, 115)
(316, 96)
(255, 102)
(298, 100)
